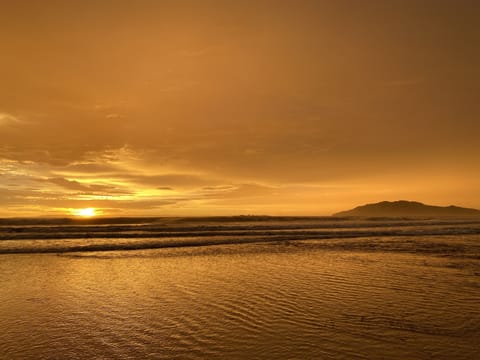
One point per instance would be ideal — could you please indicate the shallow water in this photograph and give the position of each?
(384, 297)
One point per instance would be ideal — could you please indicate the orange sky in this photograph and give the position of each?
(237, 107)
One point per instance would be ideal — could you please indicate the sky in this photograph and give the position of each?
(189, 108)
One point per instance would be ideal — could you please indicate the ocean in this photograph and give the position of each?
(246, 287)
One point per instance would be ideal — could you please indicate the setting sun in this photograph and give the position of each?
(87, 212)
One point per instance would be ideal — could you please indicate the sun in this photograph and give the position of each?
(86, 212)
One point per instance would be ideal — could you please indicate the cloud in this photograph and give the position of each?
(113, 116)
(77, 186)
(168, 181)
(89, 168)
(8, 119)
(242, 191)
(68, 184)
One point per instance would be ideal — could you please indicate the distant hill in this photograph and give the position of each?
(407, 208)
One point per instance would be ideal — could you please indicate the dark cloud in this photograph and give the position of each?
(85, 188)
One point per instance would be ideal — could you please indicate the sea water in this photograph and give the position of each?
(240, 288)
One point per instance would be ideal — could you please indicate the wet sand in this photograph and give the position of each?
(365, 298)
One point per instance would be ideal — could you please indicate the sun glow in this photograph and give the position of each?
(87, 212)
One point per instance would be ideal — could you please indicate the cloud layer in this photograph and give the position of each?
(182, 108)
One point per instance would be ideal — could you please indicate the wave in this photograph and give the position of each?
(193, 232)
(366, 241)
(259, 228)
(108, 221)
